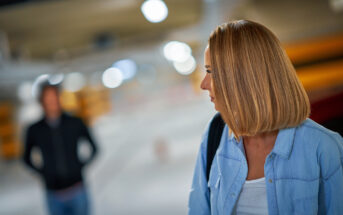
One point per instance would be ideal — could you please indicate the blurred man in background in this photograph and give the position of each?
(57, 136)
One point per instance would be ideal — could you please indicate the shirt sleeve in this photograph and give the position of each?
(199, 203)
(29, 144)
(331, 186)
(86, 134)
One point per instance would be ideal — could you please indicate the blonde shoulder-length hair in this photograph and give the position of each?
(254, 79)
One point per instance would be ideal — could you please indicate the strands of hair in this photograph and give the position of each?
(254, 80)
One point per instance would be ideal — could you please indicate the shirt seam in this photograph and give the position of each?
(276, 199)
(298, 179)
(229, 158)
(323, 132)
(334, 172)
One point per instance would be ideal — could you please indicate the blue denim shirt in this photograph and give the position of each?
(303, 173)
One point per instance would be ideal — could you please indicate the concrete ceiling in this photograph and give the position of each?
(40, 29)
(66, 34)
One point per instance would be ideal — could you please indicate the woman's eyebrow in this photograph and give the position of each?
(207, 66)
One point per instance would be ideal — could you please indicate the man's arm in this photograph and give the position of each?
(86, 134)
(29, 144)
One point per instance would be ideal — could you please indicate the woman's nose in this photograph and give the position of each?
(206, 82)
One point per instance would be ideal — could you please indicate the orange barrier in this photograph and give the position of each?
(88, 103)
(321, 76)
(315, 49)
(318, 61)
(9, 144)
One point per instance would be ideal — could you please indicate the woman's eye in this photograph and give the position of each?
(208, 71)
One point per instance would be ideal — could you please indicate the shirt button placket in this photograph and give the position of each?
(271, 158)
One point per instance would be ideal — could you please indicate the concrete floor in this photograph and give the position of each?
(128, 177)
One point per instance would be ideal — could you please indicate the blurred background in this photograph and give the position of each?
(132, 69)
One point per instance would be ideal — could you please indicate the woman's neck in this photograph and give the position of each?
(257, 149)
(263, 140)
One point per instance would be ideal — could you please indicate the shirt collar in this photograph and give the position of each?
(283, 144)
(232, 136)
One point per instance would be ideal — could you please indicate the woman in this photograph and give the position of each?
(271, 158)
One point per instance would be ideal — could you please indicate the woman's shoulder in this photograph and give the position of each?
(311, 130)
(312, 136)
(328, 145)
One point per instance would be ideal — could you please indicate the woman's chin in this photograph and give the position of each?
(215, 107)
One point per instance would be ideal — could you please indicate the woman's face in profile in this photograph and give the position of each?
(206, 83)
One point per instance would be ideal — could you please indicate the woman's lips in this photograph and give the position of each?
(212, 98)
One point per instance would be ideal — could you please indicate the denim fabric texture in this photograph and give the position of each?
(71, 203)
(303, 173)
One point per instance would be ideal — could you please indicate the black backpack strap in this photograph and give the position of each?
(213, 140)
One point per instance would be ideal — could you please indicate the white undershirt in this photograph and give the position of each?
(253, 198)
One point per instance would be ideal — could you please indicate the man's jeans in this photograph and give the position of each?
(71, 202)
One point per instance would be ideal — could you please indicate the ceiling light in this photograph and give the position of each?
(187, 67)
(112, 77)
(74, 82)
(154, 10)
(128, 68)
(36, 84)
(56, 79)
(177, 51)
(24, 91)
